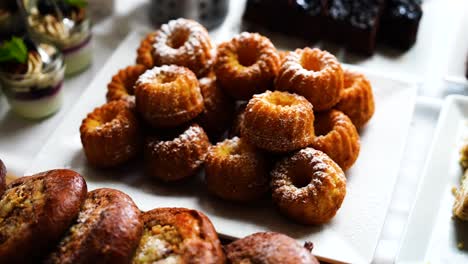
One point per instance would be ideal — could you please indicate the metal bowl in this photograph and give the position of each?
(210, 13)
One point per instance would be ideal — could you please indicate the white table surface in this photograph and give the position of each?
(21, 140)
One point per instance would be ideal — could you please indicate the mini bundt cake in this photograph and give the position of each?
(337, 137)
(176, 158)
(268, 248)
(110, 135)
(315, 74)
(145, 51)
(357, 101)
(107, 230)
(308, 187)
(246, 65)
(219, 108)
(278, 122)
(180, 42)
(178, 235)
(168, 96)
(236, 171)
(122, 84)
(36, 211)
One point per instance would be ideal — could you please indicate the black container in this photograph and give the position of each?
(209, 13)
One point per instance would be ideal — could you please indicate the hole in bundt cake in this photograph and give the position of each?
(229, 148)
(310, 62)
(281, 99)
(106, 117)
(178, 38)
(167, 78)
(247, 56)
(300, 180)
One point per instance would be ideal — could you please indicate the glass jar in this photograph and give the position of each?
(36, 93)
(70, 35)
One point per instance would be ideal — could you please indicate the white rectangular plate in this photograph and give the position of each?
(350, 237)
(456, 67)
(431, 235)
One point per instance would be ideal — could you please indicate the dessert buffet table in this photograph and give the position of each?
(428, 64)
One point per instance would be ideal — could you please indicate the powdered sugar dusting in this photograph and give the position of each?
(317, 163)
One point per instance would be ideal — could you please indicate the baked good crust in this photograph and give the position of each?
(145, 51)
(315, 74)
(122, 84)
(268, 247)
(236, 171)
(110, 135)
(193, 238)
(168, 96)
(176, 158)
(278, 122)
(182, 42)
(36, 211)
(107, 230)
(337, 137)
(308, 187)
(357, 101)
(246, 65)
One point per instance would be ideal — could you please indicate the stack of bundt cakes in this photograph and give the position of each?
(256, 105)
(51, 218)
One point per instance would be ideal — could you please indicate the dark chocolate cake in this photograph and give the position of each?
(400, 23)
(352, 23)
(302, 18)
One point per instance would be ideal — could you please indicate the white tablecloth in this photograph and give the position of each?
(21, 140)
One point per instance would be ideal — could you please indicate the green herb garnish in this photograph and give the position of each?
(77, 3)
(14, 50)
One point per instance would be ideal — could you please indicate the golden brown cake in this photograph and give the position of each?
(110, 135)
(168, 96)
(236, 171)
(122, 84)
(219, 109)
(180, 42)
(278, 122)
(315, 74)
(36, 211)
(357, 101)
(268, 248)
(107, 230)
(460, 207)
(176, 158)
(464, 156)
(178, 235)
(246, 65)
(337, 137)
(308, 187)
(145, 51)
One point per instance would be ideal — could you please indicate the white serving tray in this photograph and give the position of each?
(351, 236)
(432, 235)
(457, 63)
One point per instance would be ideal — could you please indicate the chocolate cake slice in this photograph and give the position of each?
(364, 22)
(354, 23)
(307, 18)
(337, 14)
(302, 18)
(400, 23)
